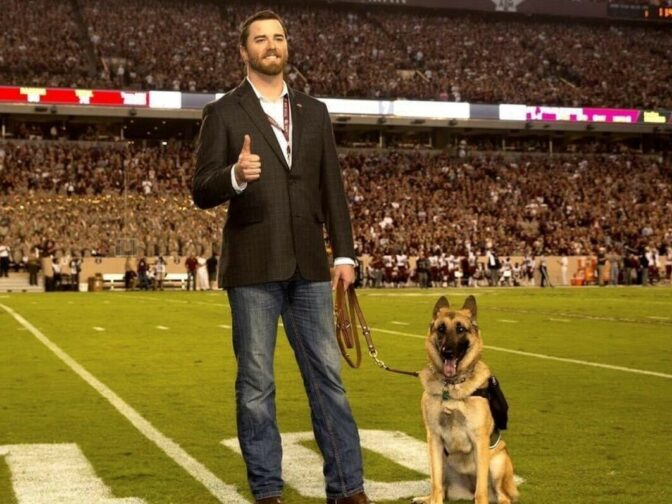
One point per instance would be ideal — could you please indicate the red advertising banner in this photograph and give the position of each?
(65, 96)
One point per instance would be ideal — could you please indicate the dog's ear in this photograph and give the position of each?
(441, 303)
(470, 304)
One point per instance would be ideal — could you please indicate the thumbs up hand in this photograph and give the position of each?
(248, 167)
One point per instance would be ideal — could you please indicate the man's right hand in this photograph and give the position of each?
(248, 167)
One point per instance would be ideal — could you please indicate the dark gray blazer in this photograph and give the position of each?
(276, 224)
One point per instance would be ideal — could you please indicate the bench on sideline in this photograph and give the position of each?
(115, 281)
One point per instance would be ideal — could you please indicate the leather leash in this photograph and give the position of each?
(349, 315)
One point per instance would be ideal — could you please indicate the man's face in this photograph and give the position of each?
(265, 50)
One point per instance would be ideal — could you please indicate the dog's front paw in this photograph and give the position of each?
(421, 500)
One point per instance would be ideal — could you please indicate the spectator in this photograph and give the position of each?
(212, 271)
(201, 279)
(159, 272)
(75, 266)
(545, 279)
(494, 265)
(33, 268)
(143, 273)
(4, 260)
(129, 274)
(191, 265)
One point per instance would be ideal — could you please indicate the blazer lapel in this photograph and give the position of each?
(250, 103)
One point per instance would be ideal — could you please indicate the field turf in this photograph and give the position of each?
(578, 433)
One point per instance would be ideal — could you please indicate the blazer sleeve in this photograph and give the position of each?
(334, 202)
(211, 185)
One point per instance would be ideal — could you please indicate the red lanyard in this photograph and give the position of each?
(285, 120)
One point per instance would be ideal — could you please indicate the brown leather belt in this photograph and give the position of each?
(349, 315)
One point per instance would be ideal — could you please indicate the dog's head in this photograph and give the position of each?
(453, 343)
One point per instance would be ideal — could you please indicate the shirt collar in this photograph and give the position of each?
(261, 97)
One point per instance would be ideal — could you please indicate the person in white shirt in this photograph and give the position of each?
(4, 260)
(202, 274)
(564, 266)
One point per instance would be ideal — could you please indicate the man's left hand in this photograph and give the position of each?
(345, 273)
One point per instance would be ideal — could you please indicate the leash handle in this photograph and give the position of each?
(346, 330)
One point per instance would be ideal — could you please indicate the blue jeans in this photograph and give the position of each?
(307, 314)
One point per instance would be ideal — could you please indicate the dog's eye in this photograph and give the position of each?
(441, 329)
(461, 329)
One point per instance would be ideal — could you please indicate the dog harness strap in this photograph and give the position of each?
(481, 392)
(495, 438)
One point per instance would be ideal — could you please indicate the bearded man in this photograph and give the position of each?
(269, 152)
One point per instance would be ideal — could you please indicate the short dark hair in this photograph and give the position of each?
(259, 16)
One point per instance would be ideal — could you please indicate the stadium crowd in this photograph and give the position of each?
(401, 201)
(41, 45)
(365, 52)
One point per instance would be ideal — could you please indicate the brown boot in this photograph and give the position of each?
(269, 500)
(359, 498)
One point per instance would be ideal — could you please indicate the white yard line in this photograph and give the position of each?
(507, 321)
(99, 329)
(397, 322)
(178, 301)
(544, 356)
(578, 316)
(223, 492)
(163, 327)
(435, 295)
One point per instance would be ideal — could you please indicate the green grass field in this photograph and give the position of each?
(578, 433)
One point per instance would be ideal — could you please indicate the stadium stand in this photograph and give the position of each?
(401, 200)
(98, 189)
(367, 52)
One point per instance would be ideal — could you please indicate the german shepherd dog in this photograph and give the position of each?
(463, 409)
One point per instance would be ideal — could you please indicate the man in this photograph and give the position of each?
(543, 273)
(143, 273)
(422, 270)
(494, 266)
(269, 151)
(191, 264)
(564, 268)
(159, 272)
(33, 268)
(4, 260)
(75, 266)
(212, 270)
(614, 259)
(601, 263)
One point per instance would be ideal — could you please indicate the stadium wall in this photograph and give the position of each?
(116, 266)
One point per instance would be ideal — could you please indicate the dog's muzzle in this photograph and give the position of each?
(451, 355)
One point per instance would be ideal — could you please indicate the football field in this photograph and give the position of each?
(128, 398)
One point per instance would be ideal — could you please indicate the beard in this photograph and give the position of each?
(275, 67)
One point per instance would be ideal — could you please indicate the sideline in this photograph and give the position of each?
(223, 492)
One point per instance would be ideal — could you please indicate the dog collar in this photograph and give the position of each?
(458, 380)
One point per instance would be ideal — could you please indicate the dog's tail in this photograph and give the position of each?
(509, 486)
